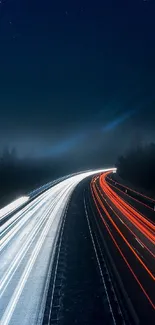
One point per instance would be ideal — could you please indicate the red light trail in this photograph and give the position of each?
(127, 226)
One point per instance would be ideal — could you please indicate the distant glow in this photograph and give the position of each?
(70, 143)
(63, 146)
(122, 118)
(12, 206)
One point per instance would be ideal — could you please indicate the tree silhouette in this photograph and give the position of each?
(19, 176)
(138, 166)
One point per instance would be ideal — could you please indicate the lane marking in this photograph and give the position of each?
(123, 237)
(121, 220)
(125, 224)
(121, 253)
(99, 265)
(139, 242)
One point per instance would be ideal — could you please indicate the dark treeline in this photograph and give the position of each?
(138, 167)
(19, 176)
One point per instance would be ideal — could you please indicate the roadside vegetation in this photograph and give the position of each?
(138, 167)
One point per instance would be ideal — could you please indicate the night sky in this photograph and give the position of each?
(77, 77)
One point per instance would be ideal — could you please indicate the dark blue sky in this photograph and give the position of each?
(71, 69)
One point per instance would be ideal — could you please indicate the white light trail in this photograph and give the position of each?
(27, 243)
(13, 206)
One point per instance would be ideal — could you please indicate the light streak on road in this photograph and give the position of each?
(13, 206)
(136, 197)
(27, 246)
(128, 226)
(139, 221)
(131, 190)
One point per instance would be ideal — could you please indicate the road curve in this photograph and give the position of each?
(28, 242)
(130, 236)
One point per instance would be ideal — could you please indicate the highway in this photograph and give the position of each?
(78, 252)
(28, 241)
(131, 241)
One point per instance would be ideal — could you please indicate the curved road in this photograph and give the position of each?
(78, 255)
(27, 245)
(131, 241)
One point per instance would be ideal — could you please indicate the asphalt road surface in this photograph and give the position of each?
(79, 253)
(130, 237)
